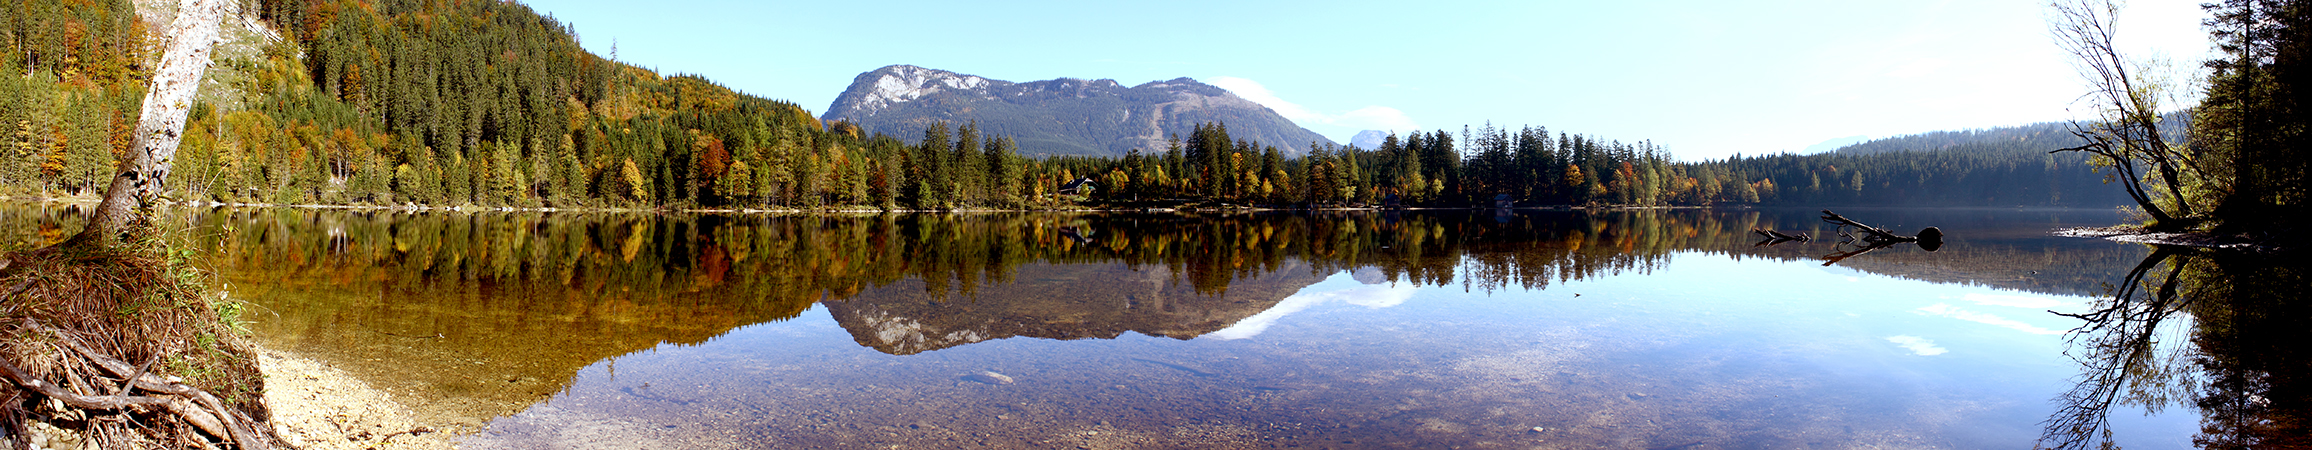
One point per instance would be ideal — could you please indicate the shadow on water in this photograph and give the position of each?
(2218, 331)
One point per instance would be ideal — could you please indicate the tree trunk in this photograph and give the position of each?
(167, 102)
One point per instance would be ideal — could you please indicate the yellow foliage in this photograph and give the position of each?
(637, 187)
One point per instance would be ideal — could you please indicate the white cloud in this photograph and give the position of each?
(1374, 117)
(1257, 93)
(1946, 310)
(1918, 345)
(2013, 300)
(1379, 118)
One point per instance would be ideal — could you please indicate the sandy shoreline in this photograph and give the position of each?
(320, 407)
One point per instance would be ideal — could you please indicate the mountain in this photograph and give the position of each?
(1369, 139)
(1064, 116)
(2030, 138)
(1833, 145)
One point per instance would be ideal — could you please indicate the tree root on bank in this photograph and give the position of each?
(70, 322)
(191, 404)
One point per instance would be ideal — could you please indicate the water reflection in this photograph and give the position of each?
(673, 318)
(2218, 331)
(1377, 292)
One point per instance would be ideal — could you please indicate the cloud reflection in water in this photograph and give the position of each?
(1946, 310)
(1918, 345)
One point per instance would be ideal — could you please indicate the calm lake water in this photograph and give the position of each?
(1533, 329)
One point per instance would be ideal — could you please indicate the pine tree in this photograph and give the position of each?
(1003, 171)
(929, 173)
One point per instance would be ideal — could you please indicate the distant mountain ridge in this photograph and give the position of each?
(1064, 116)
(2036, 137)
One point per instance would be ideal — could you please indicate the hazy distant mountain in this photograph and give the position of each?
(1833, 145)
(1065, 116)
(1369, 139)
(2025, 139)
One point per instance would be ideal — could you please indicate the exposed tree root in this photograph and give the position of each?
(71, 319)
(72, 313)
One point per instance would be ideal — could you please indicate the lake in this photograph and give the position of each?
(1651, 329)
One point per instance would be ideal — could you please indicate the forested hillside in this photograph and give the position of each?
(475, 102)
(428, 102)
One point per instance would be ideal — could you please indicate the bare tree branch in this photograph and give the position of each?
(2126, 130)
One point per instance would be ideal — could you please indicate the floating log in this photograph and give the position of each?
(1930, 238)
(1873, 238)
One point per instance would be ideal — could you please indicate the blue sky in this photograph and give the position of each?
(1706, 79)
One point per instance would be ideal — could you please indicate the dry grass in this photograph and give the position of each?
(142, 304)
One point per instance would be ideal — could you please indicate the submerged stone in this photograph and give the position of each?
(989, 378)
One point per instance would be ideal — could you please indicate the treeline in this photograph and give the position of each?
(470, 102)
(1530, 166)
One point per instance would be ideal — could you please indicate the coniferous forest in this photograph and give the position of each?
(485, 103)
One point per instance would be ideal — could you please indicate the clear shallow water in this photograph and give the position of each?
(1651, 329)
(1695, 352)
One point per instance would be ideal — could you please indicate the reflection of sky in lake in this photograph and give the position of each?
(1704, 349)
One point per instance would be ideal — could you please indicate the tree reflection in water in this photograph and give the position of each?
(523, 302)
(2244, 317)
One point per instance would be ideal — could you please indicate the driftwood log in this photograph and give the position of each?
(1871, 234)
(1866, 238)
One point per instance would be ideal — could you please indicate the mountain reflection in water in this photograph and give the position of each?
(1299, 330)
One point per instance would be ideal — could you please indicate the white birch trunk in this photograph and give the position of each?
(167, 102)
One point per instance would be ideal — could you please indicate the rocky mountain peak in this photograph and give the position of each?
(902, 83)
(1060, 116)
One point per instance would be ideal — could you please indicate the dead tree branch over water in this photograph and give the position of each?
(2127, 101)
